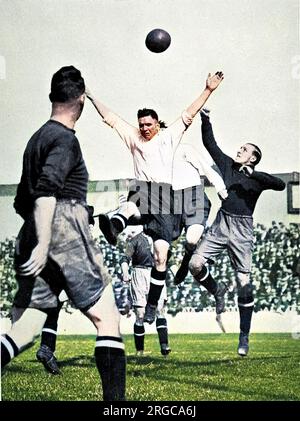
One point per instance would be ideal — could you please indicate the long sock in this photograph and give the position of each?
(119, 221)
(246, 306)
(207, 280)
(139, 336)
(184, 267)
(9, 350)
(162, 330)
(111, 364)
(157, 283)
(49, 331)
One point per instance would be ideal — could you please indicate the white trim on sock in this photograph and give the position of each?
(46, 329)
(139, 334)
(161, 327)
(109, 344)
(246, 305)
(157, 282)
(8, 346)
(203, 279)
(120, 219)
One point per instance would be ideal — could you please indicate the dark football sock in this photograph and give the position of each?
(139, 336)
(157, 283)
(111, 364)
(162, 330)
(49, 331)
(119, 221)
(246, 306)
(9, 349)
(207, 280)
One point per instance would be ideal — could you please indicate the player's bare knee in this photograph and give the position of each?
(196, 265)
(160, 313)
(139, 313)
(242, 279)
(139, 321)
(194, 233)
(161, 248)
(129, 209)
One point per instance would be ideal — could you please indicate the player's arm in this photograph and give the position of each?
(102, 109)
(181, 124)
(214, 178)
(126, 131)
(200, 163)
(125, 260)
(212, 82)
(125, 271)
(268, 181)
(63, 154)
(44, 208)
(220, 158)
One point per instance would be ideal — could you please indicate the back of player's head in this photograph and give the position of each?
(67, 84)
(257, 153)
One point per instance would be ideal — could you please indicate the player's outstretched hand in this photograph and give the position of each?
(212, 82)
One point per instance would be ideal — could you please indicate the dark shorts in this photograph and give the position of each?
(75, 263)
(155, 202)
(194, 206)
(233, 233)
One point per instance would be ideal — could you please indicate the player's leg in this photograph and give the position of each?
(139, 288)
(109, 350)
(112, 227)
(89, 288)
(158, 278)
(240, 248)
(26, 327)
(45, 353)
(200, 271)
(162, 325)
(139, 330)
(210, 247)
(193, 235)
(34, 296)
(246, 305)
(196, 210)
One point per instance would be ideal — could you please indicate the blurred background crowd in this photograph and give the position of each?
(275, 274)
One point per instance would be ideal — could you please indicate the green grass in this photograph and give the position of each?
(201, 367)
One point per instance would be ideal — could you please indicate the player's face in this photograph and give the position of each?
(245, 155)
(148, 127)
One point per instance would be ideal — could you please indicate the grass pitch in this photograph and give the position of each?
(201, 367)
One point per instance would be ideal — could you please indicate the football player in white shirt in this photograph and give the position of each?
(191, 202)
(151, 199)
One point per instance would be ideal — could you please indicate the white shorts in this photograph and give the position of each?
(139, 288)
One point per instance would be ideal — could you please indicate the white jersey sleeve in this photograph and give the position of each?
(128, 133)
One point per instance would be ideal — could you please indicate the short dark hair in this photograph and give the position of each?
(257, 153)
(66, 84)
(145, 112)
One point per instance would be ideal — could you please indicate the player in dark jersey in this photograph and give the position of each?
(233, 226)
(55, 249)
(139, 251)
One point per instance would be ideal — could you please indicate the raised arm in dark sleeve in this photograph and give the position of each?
(268, 181)
(222, 160)
(63, 155)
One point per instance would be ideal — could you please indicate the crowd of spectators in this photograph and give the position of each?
(275, 274)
